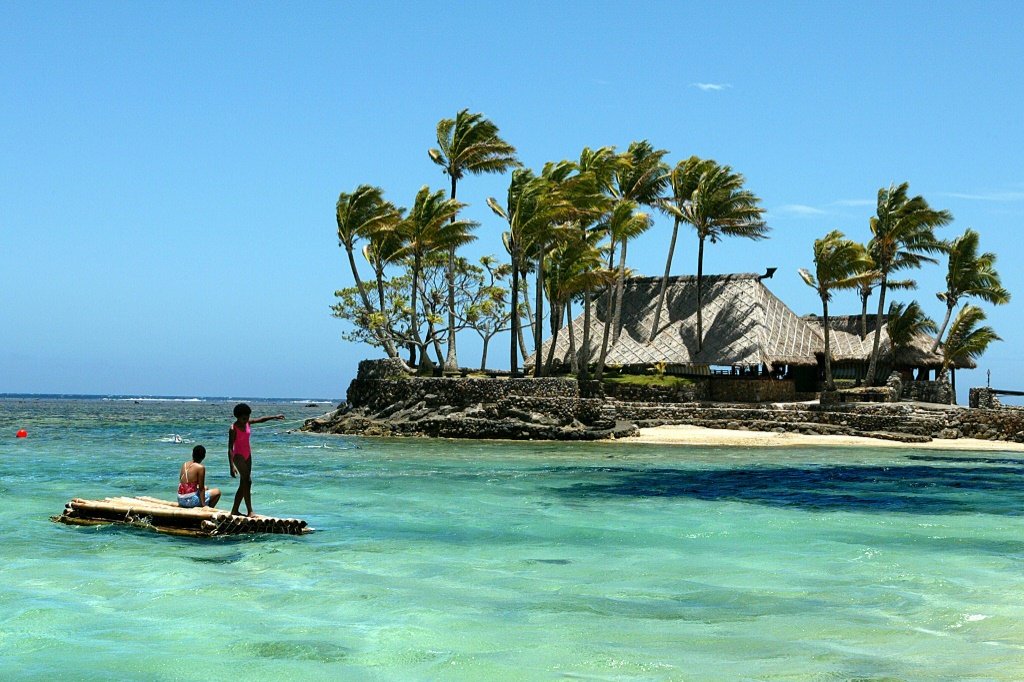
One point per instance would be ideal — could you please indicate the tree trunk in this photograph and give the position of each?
(381, 334)
(864, 295)
(873, 363)
(414, 321)
(538, 328)
(432, 339)
(451, 363)
(664, 282)
(517, 332)
(525, 320)
(942, 329)
(556, 314)
(952, 385)
(483, 354)
(574, 364)
(830, 385)
(700, 301)
(607, 320)
(619, 287)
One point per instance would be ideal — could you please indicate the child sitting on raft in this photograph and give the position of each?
(192, 491)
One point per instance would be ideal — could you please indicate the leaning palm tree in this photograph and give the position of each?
(902, 232)
(624, 224)
(837, 265)
(532, 205)
(638, 178)
(966, 340)
(468, 143)
(431, 227)
(574, 266)
(363, 214)
(905, 322)
(868, 285)
(602, 165)
(720, 207)
(969, 274)
(682, 183)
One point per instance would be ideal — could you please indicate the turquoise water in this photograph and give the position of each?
(506, 561)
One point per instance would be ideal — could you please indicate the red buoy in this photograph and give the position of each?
(22, 433)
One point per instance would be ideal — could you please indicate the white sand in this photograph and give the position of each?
(698, 435)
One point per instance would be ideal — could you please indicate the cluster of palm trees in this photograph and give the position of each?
(903, 238)
(568, 225)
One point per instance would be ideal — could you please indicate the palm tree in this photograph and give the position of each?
(531, 206)
(868, 285)
(431, 227)
(601, 165)
(469, 143)
(624, 223)
(574, 266)
(573, 198)
(361, 215)
(969, 274)
(837, 265)
(966, 339)
(682, 183)
(905, 323)
(638, 179)
(902, 233)
(720, 207)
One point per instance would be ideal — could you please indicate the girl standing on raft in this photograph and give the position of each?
(240, 454)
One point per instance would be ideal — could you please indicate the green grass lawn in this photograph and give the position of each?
(664, 380)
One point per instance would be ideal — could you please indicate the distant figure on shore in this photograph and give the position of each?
(192, 491)
(240, 454)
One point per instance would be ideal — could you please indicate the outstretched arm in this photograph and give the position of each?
(260, 420)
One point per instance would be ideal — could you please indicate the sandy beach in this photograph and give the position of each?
(698, 435)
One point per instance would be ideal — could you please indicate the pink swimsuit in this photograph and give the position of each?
(241, 445)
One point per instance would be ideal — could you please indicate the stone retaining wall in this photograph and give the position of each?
(728, 389)
(378, 394)
(983, 397)
(939, 392)
(889, 418)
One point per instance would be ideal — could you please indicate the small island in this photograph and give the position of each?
(611, 351)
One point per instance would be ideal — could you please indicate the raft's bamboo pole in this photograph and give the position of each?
(157, 500)
(123, 509)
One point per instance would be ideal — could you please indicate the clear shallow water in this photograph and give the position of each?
(467, 561)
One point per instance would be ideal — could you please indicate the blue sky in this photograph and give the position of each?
(168, 171)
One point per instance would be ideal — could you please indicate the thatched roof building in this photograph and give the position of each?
(744, 324)
(848, 346)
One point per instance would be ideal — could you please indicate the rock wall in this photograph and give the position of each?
(894, 422)
(729, 389)
(939, 392)
(1005, 423)
(455, 407)
(385, 400)
(984, 398)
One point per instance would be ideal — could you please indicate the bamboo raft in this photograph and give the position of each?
(167, 517)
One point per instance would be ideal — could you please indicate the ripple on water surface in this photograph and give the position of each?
(456, 560)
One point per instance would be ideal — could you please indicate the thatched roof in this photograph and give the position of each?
(848, 346)
(744, 324)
